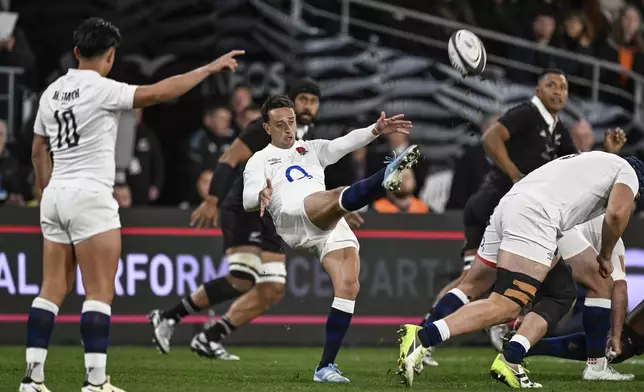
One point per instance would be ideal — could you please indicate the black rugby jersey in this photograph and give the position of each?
(535, 139)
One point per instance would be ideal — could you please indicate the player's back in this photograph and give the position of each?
(575, 188)
(79, 114)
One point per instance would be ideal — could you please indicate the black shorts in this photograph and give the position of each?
(477, 213)
(241, 227)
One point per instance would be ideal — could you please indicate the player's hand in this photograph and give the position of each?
(206, 215)
(614, 140)
(393, 124)
(614, 346)
(225, 62)
(354, 220)
(605, 266)
(265, 197)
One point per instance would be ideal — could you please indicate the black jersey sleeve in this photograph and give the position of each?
(254, 136)
(517, 119)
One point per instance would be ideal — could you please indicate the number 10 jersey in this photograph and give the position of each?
(79, 114)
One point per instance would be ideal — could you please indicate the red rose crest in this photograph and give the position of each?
(300, 150)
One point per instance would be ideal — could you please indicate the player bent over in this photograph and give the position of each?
(78, 118)
(522, 238)
(287, 179)
(578, 249)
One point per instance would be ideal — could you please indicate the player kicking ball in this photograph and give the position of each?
(78, 118)
(286, 178)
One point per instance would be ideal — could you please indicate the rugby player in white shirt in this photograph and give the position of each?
(286, 178)
(78, 118)
(522, 239)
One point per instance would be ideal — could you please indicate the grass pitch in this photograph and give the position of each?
(139, 369)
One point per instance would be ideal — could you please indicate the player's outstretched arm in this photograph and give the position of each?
(41, 160)
(494, 144)
(332, 151)
(254, 183)
(176, 86)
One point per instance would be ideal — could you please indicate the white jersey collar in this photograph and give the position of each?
(551, 121)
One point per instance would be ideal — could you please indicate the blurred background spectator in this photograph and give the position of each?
(582, 135)
(146, 173)
(12, 181)
(206, 146)
(241, 98)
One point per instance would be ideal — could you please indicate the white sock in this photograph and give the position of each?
(36, 364)
(443, 329)
(95, 365)
(597, 364)
(345, 305)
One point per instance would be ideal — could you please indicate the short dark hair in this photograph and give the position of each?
(275, 102)
(549, 71)
(94, 36)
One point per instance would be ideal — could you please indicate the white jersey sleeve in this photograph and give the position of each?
(331, 151)
(628, 177)
(115, 95)
(254, 181)
(39, 126)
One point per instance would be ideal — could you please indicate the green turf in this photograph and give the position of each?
(291, 369)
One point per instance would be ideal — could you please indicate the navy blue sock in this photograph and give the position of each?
(40, 324)
(95, 332)
(430, 335)
(450, 303)
(363, 192)
(427, 316)
(568, 347)
(337, 325)
(596, 320)
(516, 350)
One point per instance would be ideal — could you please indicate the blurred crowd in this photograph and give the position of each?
(607, 29)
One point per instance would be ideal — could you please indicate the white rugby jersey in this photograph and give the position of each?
(79, 113)
(575, 188)
(296, 172)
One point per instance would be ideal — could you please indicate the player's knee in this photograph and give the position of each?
(514, 287)
(348, 288)
(240, 284)
(271, 281)
(244, 269)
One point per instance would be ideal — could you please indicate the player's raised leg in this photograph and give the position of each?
(325, 209)
(343, 267)
(58, 279)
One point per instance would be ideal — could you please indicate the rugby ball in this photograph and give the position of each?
(467, 53)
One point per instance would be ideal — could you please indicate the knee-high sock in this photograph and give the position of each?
(95, 332)
(450, 303)
(516, 349)
(40, 324)
(363, 192)
(337, 325)
(596, 320)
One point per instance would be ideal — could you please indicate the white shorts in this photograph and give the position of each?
(297, 230)
(72, 215)
(574, 241)
(520, 225)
